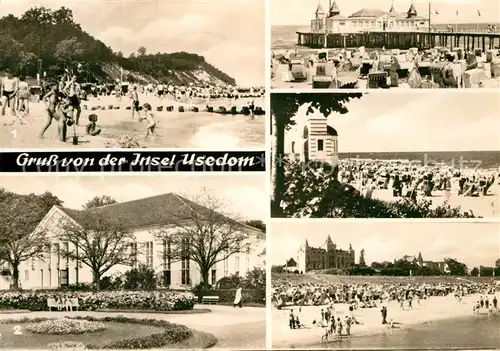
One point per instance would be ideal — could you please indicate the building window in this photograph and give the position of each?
(26, 275)
(247, 257)
(226, 266)
(185, 279)
(167, 260)
(293, 147)
(237, 263)
(214, 277)
(185, 271)
(133, 254)
(41, 278)
(149, 253)
(58, 253)
(65, 252)
(320, 144)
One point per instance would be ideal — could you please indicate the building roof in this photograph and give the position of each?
(165, 209)
(334, 8)
(319, 10)
(412, 11)
(366, 12)
(331, 131)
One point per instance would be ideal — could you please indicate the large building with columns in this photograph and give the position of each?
(140, 217)
(327, 256)
(367, 19)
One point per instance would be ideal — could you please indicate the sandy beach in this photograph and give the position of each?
(174, 129)
(428, 311)
(483, 206)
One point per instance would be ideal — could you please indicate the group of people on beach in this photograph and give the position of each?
(368, 295)
(411, 180)
(15, 94)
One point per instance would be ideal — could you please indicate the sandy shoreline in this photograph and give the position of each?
(174, 129)
(433, 309)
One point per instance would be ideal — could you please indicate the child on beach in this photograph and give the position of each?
(92, 128)
(151, 120)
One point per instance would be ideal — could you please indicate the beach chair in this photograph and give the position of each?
(181, 109)
(377, 80)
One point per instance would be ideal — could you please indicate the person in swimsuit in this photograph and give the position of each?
(8, 92)
(135, 102)
(160, 91)
(54, 111)
(73, 90)
(151, 120)
(23, 96)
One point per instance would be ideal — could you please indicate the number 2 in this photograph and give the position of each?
(17, 330)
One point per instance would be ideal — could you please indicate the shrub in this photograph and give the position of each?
(65, 326)
(141, 278)
(312, 190)
(90, 301)
(227, 295)
(64, 345)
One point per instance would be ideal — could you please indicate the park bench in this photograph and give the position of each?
(74, 303)
(52, 303)
(208, 300)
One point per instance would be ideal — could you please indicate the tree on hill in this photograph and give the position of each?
(54, 38)
(455, 267)
(204, 236)
(283, 108)
(99, 201)
(20, 241)
(141, 51)
(68, 51)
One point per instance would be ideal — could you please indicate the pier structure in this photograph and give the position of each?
(400, 40)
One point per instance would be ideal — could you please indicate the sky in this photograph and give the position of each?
(386, 241)
(230, 34)
(243, 195)
(423, 121)
(300, 12)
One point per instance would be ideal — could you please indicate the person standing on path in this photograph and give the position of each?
(237, 298)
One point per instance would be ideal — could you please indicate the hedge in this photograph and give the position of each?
(90, 301)
(227, 295)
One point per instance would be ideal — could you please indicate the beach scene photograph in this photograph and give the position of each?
(385, 285)
(386, 44)
(144, 261)
(136, 74)
(378, 155)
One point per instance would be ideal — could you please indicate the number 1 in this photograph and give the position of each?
(14, 133)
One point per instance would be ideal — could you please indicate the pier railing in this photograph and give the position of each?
(401, 40)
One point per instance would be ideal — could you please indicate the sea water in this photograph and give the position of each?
(474, 332)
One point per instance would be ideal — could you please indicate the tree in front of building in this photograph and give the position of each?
(99, 243)
(19, 241)
(284, 107)
(99, 201)
(455, 267)
(362, 262)
(203, 234)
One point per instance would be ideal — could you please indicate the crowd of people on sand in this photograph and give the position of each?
(410, 180)
(342, 61)
(64, 99)
(337, 323)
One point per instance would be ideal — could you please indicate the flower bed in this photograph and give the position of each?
(170, 334)
(65, 326)
(90, 301)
